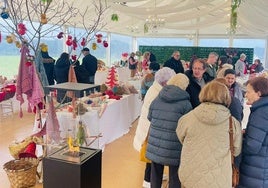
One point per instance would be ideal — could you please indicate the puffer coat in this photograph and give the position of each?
(165, 111)
(205, 155)
(254, 164)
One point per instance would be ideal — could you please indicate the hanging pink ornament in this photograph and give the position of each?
(70, 37)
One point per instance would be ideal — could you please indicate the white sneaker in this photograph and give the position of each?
(165, 177)
(146, 184)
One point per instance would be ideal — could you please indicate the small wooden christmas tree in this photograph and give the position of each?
(112, 78)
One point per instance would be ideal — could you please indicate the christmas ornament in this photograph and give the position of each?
(60, 35)
(43, 19)
(94, 46)
(74, 57)
(21, 29)
(99, 38)
(9, 39)
(69, 41)
(83, 42)
(74, 43)
(4, 14)
(18, 44)
(105, 44)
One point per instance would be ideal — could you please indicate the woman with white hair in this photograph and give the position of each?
(240, 66)
(161, 78)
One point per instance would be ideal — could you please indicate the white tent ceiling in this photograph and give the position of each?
(183, 17)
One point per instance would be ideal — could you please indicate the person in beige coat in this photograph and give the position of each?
(204, 134)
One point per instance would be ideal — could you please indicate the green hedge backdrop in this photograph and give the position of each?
(163, 53)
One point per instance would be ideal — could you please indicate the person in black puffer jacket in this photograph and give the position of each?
(253, 167)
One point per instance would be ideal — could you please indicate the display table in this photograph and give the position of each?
(114, 122)
(123, 75)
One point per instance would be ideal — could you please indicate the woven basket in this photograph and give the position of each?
(21, 173)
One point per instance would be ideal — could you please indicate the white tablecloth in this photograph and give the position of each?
(114, 122)
(123, 75)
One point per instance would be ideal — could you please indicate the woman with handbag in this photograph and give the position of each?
(254, 165)
(204, 134)
(164, 148)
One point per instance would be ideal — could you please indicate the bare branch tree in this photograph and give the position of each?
(45, 16)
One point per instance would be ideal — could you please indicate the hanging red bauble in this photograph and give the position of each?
(99, 40)
(98, 35)
(69, 42)
(21, 29)
(74, 57)
(60, 35)
(74, 43)
(105, 44)
(83, 42)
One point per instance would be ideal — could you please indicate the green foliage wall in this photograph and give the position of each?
(163, 53)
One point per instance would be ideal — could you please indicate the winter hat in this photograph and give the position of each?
(180, 80)
(163, 75)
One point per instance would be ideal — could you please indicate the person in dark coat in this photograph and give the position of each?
(81, 73)
(61, 68)
(254, 168)
(152, 58)
(61, 71)
(175, 63)
(198, 77)
(164, 147)
(90, 62)
(235, 107)
(48, 63)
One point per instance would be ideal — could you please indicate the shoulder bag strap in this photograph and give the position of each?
(231, 131)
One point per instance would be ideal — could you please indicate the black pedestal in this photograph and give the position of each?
(60, 173)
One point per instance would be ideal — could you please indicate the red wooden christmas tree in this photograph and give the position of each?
(112, 78)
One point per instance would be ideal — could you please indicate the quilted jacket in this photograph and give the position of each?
(144, 123)
(206, 156)
(164, 146)
(254, 165)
